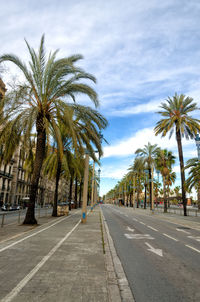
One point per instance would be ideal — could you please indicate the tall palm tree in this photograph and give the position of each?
(164, 161)
(176, 119)
(149, 153)
(193, 180)
(41, 101)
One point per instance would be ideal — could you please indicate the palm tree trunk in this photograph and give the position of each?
(80, 193)
(76, 192)
(145, 196)
(39, 157)
(70, 192)
(54, 213)
(198, 197)
(150, 189)
(164, 194)
(180, 153)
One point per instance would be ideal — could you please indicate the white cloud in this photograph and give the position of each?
(129, 145)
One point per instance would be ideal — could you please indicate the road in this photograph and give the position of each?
(160, 257)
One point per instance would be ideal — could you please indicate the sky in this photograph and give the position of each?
(140, 51)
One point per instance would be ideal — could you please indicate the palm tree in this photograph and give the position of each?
(176, 111)
(193, 181)
(149, 153)
(83, 130)
(41, 101)
(170, 179)
(138, 167)
(164, 161)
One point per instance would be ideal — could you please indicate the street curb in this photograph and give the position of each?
(118, 286)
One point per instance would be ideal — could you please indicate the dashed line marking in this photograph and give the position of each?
(150, 227)
(142, 222)
(193, 248)
(135, 219)
(170, 237)
(179, 230)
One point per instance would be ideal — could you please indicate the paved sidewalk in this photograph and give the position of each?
(70, 267)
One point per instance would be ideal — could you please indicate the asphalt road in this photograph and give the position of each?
(160, 257)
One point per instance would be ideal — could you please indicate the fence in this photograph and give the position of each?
(19, 213)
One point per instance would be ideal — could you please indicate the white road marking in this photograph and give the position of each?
(152, 228)
(135, 219)
(129, 229)
(193, 248)
(138, 236)
(170, 237)
(29, 236)
(182, 231)
(28, 277)
(197, 238)
(142, 222)
(158, 252)
(126, 215)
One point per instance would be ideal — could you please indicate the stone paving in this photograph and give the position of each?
(75, 272)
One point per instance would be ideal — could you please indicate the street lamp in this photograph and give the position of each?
(99, 172)
(85, 188)
(197, 140)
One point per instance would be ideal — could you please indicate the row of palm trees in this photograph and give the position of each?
(176, 119)
(42, 113)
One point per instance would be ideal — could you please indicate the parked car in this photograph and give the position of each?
(7, 207)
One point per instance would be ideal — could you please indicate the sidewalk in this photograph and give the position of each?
(78, 270)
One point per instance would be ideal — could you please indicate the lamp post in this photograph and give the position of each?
(85, 189)
(99, 172)
(197, 140)
(92, 193)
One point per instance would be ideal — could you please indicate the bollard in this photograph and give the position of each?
(2, 222)
(196, 213)
(45, 211)
(19, 217)
(39, 212)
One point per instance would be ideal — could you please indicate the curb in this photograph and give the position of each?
(118, 286)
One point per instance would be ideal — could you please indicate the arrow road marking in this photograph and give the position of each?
(158, 252)
(138, 236)
(183, 231)
(129, 229)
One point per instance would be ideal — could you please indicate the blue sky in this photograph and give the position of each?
(140, 51)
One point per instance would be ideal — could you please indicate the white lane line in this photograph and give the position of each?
(193, 248)
(197, 238)
(142, 222)
(28, 277)
(170, 237)
(135, 219)
(29, 236)
(152, 228)
(179, 230)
